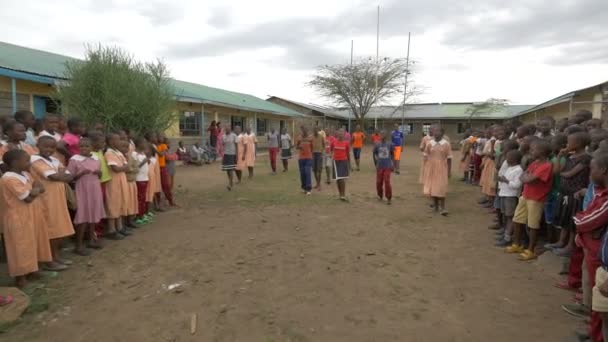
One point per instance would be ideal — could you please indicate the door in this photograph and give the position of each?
(39, 106)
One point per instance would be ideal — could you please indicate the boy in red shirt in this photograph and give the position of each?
(590, 225)
(537, 180)
(304, 145)
(341, 156)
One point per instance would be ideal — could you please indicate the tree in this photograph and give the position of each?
(489, 106)
(112, 87)
(354, 85)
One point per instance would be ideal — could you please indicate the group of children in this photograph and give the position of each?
(58, 184)
(549, 182)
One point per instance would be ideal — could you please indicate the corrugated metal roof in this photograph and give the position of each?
(327, 111)
(45, 63)
(437, 111)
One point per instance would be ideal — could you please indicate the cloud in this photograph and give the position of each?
(220, 18)
(160, 12)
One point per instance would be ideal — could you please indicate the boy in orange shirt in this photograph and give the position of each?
(357, 142)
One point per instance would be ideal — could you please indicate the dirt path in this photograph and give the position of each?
(265, 263)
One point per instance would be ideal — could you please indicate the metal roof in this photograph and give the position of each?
(327, 111)
(445, 111)
(19, 59)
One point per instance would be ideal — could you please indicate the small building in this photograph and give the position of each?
(28, 78)
(313, 115)
(593, 99)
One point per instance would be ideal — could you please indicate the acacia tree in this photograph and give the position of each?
(489, 106)
(110, 86)
(354, 85)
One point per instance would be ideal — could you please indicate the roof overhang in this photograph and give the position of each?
(20, 75)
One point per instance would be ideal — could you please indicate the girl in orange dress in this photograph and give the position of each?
(425, 139)
(241, 163)
(438, 154)
(153, 205)
(49, 171)
(488, 166)
(116, 189)
(131, 191)
(17, 192)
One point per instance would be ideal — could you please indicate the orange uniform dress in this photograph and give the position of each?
(25, 237)
(153, 183)
(437, 155)
(132, 204)
(57, 215)
(488, 174)
(21, 146)
(116, 189)
(467, 144)
(425, 140)
(243, 140)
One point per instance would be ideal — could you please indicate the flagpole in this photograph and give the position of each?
(407, 71)
(377, 60)
(352, 47)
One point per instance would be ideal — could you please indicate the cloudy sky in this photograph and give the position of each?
(527, 51)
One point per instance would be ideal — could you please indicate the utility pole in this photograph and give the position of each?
(352, 47)
(377, 60)
(407, 71)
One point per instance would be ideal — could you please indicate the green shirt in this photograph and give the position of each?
(106, 176)
(556, 177)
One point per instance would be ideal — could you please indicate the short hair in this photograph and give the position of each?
(11, 156)
(46, 138)
(73, 123)
(515, 154)
(582, 138)
(574, 129)
(510, 145)
(10, 125)
(543, 145)
(527, 129)
(85, 140)
(21, 114)
(560, 139)
(601, 158)
(96, 136)
(598, 134)
(548, 118)
(584, 114)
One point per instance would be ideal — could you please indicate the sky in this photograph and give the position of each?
(526, 51)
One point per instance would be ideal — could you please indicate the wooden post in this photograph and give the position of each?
(203, 129)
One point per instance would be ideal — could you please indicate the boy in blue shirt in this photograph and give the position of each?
(384, 154)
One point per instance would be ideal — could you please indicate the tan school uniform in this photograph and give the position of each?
(116, 189)
(437, 154)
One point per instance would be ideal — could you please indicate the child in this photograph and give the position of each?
(153, 181)
(249, 141)
(465, 152)
(398, 141)
(86, 169)
(285, 149)
(341, 160)
(163, 149)
(544, 127)
(131, 189)
(438, 155)
(273, 149)
(51, 127)
(98, 141)
(524, 148)
(47, 170)
(318, 146)
(15, 140)
(590, 226)
(478, 155)
(304, 145)
(68, 146)
(357, 143)
(558, 142)
(28, 120)
(376, 137)
(574, 177)
(537, 182)
(117, 196)
(156, 185)
(171, 159)
(509, 188)
(383, 154)
(182, 152)
(506, 146)
(141, 180)
(487, 166)
(21, 242)
(426, 138)
(228, 142)
(327, 158)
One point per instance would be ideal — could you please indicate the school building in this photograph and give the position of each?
(417, 118)
(28, 78)
(593, 99)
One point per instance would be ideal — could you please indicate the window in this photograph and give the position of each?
(409, 128)
(461, 128)
(190, 123)
(426, 127)
(236, 121)
(261, 127)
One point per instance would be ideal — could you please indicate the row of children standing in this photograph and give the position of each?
(548, 181)
(56, 185)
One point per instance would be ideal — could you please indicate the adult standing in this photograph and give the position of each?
(213, 133)
(219, 149)
(273, 149)
(304, 144)
(398, 140)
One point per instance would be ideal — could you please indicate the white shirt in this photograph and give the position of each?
(55, 135)
(512, 174)
(142, 174)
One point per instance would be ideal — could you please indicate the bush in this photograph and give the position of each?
(110, 86)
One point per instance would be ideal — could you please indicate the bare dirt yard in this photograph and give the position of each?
(266, 263)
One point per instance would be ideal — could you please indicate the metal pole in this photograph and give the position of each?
(14, 94)
(203, 129)
(407, 71)
(377, 61)
(352, 47)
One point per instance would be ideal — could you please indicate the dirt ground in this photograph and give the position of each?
(266, 263)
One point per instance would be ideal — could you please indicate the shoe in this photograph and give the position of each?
(562, 252)
(64, 261)
(54, 267)
(125, 232)
(500, 232)
(388, 202)
(494, 227)
(551, 246)
(502, 243)
(114, 236)
(308, 193)
(527, 255)
(514, 249)
(577, 310)
(141, 222)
